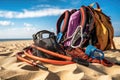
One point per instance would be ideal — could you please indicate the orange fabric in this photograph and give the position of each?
(27, 53)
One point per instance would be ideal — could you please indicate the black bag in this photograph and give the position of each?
(46, 40)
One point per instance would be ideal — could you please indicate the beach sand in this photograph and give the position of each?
(12, 69)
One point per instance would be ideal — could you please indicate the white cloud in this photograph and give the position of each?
(6, 23)
(24, 32)
(43, 6)
(32, 13)
(27, 25)
(77, 2)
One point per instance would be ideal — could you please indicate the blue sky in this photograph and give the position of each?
(22, 18)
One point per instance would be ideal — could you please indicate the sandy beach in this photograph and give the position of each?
(12, 69)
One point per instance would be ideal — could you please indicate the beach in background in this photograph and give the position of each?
(12, 69)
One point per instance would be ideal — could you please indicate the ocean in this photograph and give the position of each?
(14, 39)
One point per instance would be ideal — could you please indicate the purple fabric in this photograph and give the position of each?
(73, 23)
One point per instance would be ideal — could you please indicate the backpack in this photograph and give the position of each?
(76, 28)
(85, 26)
(85, 33)
(104, 29)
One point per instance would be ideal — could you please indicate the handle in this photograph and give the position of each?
(97, 5)
(61, 30)
(65, 16)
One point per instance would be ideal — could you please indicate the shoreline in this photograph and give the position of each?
(3, 40)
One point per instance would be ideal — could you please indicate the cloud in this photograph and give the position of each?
(43, 6)
(6, 23)
(24, 32)
(32, 13)
(27, 25)
(75, 2)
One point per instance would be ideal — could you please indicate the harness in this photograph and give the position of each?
(66, 59)
(47, 53)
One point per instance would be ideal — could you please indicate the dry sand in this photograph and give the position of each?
(12, 69)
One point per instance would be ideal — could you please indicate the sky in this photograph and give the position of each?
(22, 18)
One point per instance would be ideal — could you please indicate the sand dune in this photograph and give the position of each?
(12, 69)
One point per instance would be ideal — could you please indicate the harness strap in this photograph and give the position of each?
(83, 16)
(79, 58)
(65, 16)
(93, 20)
(52, 53)
(58, 62)
(19, 56)
(67, 59)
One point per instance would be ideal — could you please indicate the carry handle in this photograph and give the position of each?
(65, 18)
(61, 30)
(97, 5)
